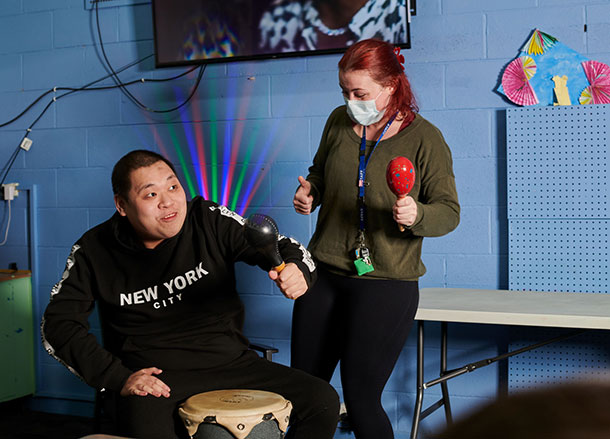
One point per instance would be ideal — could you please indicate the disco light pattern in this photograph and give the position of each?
(227, 158)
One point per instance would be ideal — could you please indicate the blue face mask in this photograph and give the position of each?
(364, 112)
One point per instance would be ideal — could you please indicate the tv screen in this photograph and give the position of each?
(203, 31)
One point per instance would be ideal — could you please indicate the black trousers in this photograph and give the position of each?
(315, 403)
(364, 324)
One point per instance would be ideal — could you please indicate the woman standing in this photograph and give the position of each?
(363, 305)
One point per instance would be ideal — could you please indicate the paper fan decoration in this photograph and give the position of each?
(551, 59)
(598, 92)
(539, 43)
(585, 97)
(516, 81)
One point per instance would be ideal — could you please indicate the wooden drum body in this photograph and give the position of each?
(236, 414)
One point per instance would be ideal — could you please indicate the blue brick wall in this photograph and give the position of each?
(264, 119)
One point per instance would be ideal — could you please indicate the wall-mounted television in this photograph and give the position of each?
(191, 32)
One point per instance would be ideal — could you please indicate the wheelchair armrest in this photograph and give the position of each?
(266, 350)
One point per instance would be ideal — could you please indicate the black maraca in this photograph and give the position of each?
(261, 233)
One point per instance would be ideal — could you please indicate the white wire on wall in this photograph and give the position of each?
(8, 224)
(89, 87)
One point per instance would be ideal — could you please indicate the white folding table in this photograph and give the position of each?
(581, 311)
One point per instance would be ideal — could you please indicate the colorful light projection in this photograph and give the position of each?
(217, 159)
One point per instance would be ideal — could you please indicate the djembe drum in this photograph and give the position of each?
(236, 414)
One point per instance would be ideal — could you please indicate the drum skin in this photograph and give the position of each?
(240, 412)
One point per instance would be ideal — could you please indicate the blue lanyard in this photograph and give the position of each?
(363, 163)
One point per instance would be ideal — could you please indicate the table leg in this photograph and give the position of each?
(444, 388)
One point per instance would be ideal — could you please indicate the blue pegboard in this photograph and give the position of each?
(558, 161)
(559, 255)
(583, 358)
(558, 215)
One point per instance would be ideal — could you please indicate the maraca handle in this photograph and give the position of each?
(280, 267)
(400, 226)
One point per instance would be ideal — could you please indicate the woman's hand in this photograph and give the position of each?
(404, 211)
(303, 201)
(143, 383)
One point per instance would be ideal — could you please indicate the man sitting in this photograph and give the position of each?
(161, 271)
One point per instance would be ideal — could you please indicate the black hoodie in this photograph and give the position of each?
(174, 307)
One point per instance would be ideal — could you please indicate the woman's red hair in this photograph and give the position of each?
(378, 59)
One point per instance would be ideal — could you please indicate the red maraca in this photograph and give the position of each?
(400, 175)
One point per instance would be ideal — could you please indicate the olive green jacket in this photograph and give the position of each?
(334, 176)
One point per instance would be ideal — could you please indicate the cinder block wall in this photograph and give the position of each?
(257, 125)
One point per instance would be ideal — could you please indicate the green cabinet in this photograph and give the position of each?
(16, 335)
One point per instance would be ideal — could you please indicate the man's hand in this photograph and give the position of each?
(290, 281)
(405, 211)
(142, 383)
(303, 201)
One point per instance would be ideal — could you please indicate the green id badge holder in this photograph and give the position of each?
(363, 267)
(363, 262)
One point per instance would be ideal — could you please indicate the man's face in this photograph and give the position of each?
(155, 205)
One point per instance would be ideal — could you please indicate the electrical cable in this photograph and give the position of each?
(123, 87)
(9, 165)
(8, 224)
(16, 118)
(87, 87)
(51, 90)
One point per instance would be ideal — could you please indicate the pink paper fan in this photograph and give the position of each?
(598, 91)
(515, 81)
(596, 72)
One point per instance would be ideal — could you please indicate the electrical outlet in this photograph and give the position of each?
(9, 191)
